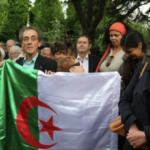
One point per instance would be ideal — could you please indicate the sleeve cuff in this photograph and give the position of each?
(129, 122)
(147, 134)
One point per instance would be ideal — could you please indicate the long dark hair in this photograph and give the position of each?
(131, 40)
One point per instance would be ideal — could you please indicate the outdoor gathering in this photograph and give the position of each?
(74, 75)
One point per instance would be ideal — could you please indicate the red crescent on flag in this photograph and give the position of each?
(22, 121)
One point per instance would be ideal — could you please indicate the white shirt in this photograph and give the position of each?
(84, 63)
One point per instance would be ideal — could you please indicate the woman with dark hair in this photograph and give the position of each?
(135, 53)
(112, 58)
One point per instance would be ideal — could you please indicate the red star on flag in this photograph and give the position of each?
(49, 127)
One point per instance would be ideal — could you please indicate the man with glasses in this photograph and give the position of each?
(31, 39)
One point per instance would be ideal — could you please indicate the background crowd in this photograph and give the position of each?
(126, 51)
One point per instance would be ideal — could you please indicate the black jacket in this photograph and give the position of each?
(42, 63)
(138, 92)
(93, 62)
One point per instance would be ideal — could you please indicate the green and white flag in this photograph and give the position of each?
(64, 111)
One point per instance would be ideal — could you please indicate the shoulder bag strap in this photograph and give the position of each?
(143, 70)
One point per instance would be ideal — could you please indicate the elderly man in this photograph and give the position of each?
(14, 52)
(46, 52)
(9, 44)
(83, 46)
(31, 39)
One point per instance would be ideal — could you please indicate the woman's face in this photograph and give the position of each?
(59, 55)
(134, 53)
(115, 37)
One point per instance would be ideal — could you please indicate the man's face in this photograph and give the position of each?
(30, 41)
(83, 45)
(14, 54)
(47, 53)
(9, 44)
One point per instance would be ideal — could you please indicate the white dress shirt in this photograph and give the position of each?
(84, 63)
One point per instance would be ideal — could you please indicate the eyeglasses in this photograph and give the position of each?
(109, 59)
(76, 64)
(26, 39)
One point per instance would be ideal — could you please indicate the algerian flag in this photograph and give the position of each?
(64, 111)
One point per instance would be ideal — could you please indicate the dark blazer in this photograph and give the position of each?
(42, 63)
(93, 62)
(138, 92)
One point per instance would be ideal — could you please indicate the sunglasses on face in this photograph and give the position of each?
(109, 59)
(76, 64)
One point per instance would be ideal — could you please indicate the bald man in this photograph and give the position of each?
(9, 44)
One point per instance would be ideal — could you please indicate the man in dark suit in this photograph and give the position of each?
(89, 62)
(31, 39)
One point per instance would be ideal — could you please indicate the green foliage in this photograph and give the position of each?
(16, 18)
(3, 14)
(48, 16)
(143, 29)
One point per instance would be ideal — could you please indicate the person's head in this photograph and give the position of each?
(114, 33)
(83, 44)
(14, 52)
(133, 45)
(2, 54)
(2, 45)
(72, 51)
(41, 52)
(9, 44)
(46, 52)
(68, 64)
(59, 50)
(31, 39)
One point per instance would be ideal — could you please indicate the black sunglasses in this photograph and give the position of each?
(76, 64)
(109, 59)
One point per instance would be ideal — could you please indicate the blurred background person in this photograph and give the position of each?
(69, 64)
(41, 52)
(112, 58)
(14, 52)
(2, 45)
(2, 54)
(46, 52)
(72, 51)
(59, 50)
(9, 44)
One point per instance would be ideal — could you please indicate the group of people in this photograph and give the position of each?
(126, 51)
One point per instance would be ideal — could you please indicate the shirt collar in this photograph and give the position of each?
(86, 57)
(33, 60)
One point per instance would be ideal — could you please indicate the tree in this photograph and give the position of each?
(91, 12)
(17, 17)
(3, 14)
(47, 15)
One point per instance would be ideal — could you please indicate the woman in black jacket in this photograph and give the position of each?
(136, 118)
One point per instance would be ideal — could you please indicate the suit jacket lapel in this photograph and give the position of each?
(38, 63)
(91, 64)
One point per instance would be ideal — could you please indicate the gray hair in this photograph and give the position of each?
(10, 41)
(45, 49)
(2, 54)
(14, 48)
